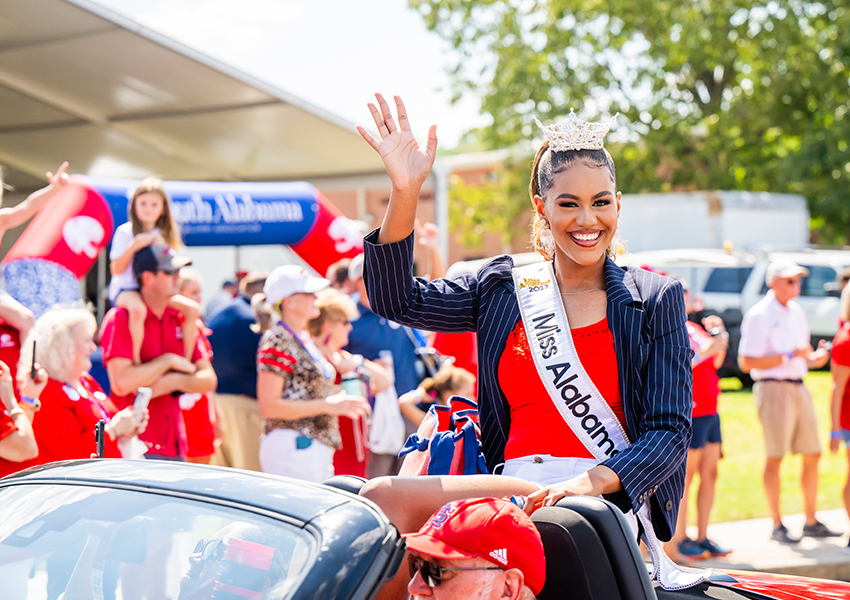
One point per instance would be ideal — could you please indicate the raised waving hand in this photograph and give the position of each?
(407, 164)
(18, 215)
(61, 179)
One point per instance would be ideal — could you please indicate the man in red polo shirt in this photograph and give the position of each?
(163, 367)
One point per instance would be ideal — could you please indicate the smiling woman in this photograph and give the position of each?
(584, 367)
(594, 177)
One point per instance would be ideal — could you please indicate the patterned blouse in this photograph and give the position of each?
(303, 379)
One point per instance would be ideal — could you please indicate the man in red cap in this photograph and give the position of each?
(477, 549)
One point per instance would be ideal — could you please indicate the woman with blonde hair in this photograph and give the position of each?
(72, 401)
(329, 331)
(203, 434)
(295, 383)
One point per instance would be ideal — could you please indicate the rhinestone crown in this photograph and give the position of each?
(574, 134)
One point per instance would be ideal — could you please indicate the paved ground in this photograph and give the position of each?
(755, 551)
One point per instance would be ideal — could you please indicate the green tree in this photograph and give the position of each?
(714, 94)
(493, 206)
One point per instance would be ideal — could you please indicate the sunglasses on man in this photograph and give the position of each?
(432, 573)
(206, 549)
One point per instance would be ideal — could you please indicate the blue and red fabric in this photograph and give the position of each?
(448, 442)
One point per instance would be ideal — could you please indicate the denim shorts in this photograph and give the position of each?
(706, 431)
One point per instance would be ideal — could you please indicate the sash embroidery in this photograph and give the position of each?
(578, 401)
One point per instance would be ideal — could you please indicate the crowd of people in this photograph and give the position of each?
(263, 382)
(590, 379)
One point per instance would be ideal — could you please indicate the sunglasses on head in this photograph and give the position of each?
(432, 573)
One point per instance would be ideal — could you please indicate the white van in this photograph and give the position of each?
(728, 284)
(742, 286)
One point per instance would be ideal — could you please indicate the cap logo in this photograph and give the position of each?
(441, 516)
(500, 555)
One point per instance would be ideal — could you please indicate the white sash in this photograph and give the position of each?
(578, 401)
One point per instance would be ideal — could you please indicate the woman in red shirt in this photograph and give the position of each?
(626, 327)
(705, 448)
(72, 402)
(840, 406)
(17, 441)
(203, 434)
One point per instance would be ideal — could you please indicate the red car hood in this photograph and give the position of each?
(788, 587)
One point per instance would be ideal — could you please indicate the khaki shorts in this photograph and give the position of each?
(787, 416)
(243, 428)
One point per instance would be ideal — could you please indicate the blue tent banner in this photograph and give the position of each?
(227, 213)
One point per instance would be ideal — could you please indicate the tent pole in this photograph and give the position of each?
(101, 286)
(441, 205)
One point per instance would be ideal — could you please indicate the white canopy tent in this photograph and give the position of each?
(80, 83)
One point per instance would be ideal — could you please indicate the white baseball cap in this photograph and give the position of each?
(780, 269)
(291, 279)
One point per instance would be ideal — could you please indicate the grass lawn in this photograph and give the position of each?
(739, 488)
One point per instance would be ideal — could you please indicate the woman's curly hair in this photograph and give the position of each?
(54, 338)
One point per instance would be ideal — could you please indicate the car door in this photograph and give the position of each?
(723, 288)
(821, 308)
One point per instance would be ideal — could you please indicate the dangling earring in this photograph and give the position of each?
(546, 241)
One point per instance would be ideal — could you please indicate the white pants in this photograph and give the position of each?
(546, 470)
(280, 455)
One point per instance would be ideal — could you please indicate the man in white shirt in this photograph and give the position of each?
(775, 349)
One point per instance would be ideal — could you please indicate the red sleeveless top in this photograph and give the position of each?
(536, 425)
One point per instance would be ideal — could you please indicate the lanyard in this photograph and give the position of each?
(311, 349)
(71, 391)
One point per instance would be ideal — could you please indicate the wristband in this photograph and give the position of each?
(34, 402)
(15, 412)
(836, 435)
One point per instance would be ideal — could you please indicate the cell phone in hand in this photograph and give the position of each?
(33, 371)
(143, 398)
(99, 432)
(352, 386)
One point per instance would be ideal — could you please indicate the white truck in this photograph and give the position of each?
(714, 219)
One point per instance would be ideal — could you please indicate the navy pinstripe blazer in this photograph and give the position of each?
(646, 315)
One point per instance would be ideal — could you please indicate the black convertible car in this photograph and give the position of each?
(117, 529)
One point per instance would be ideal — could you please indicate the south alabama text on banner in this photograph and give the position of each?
(245, 213)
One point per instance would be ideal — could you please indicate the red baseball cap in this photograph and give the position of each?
(495, 530)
